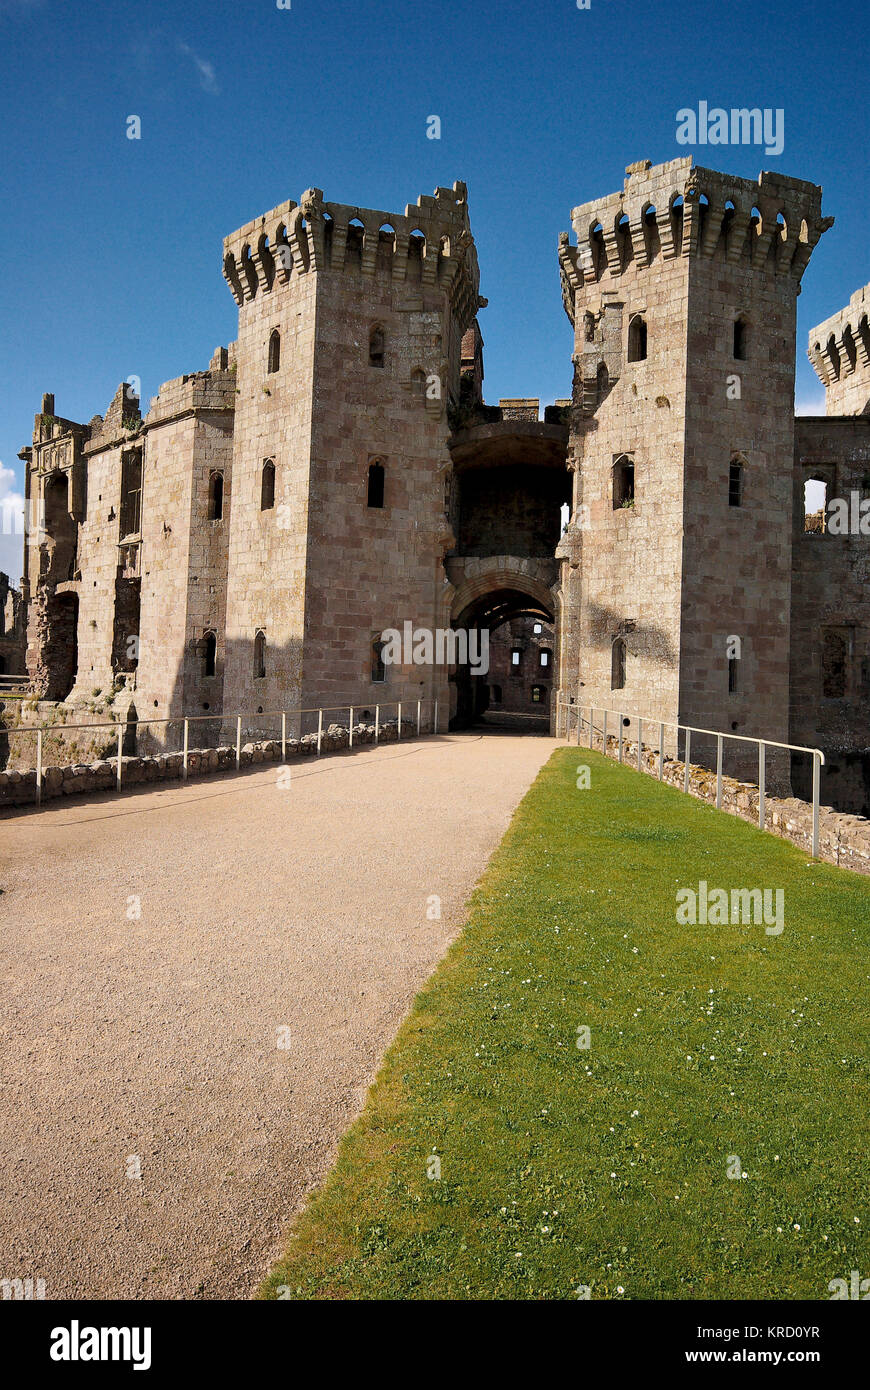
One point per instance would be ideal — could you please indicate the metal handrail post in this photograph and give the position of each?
(39, 767)
(661, 751)
(377, 722)
(719, 772)
(640, 745)
(816, 772)
(687, 754)
(620, 737)
(604, 736)
(184, 753)
(120, 751)
(283, 736)
(238, 742)
(435, 718)
(418, 718)
(319, 730)
(761, 788)
(350, 730)
(399, 732)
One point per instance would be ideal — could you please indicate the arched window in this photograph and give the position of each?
(617, 664)
(735, 483)
(379, 667)
(741, 339)
(623, 483)
(637, 339)
(418, 383)
(215, 496)
(209, 654)
(376, 346)
(274, 350)
(267, 486)
(259, 655)
(376, 485)
(538, 693)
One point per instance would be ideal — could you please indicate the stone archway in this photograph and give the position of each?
(496, 592)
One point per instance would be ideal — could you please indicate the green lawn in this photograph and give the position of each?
(607, 1167)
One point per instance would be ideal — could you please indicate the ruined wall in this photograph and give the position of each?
(839, 350)
(830, 617)
(510, 686)
(184, 551)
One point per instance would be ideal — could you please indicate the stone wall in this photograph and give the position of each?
(19, 788)
(844, 839)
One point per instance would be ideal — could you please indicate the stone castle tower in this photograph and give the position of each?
(348, 354)
(682, 291)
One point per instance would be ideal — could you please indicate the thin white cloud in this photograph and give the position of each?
(207, 78)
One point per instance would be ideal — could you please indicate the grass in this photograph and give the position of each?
(563, 1167)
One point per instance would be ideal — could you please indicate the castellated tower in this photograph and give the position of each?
(682, 292)
(349, 351)
(839, 350)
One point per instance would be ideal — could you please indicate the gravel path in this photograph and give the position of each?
(269, 915)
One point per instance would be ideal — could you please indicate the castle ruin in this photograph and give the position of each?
(335, 472)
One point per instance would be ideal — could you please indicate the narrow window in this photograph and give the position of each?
(274, 350)
(623, 483)
(418, 384)
(741, 339)
(537, 628)
(259, 655)
(379, 668)
(209, 654)
(216, 497)
(515, 658)
(537, 694)
(732, 675)
(131, 493)
(267, 486)
(545, 658)
(637, 339)
(376, 346)
(815, 501)
(376, 485)
(735, 483)
(617, 665)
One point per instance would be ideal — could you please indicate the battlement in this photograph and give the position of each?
(430, 243)
(680, 210)
(839, 350)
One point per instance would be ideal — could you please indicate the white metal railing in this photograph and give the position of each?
(567, 708)
(126, 727)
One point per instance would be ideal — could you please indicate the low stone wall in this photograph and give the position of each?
(844, 839)
(19, 788)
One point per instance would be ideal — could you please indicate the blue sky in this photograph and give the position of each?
(113, 246)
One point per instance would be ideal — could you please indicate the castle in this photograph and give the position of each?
(335, 472)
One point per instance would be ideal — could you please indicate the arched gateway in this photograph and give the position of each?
(510, 488)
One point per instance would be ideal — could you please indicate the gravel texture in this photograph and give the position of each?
(270, 914)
